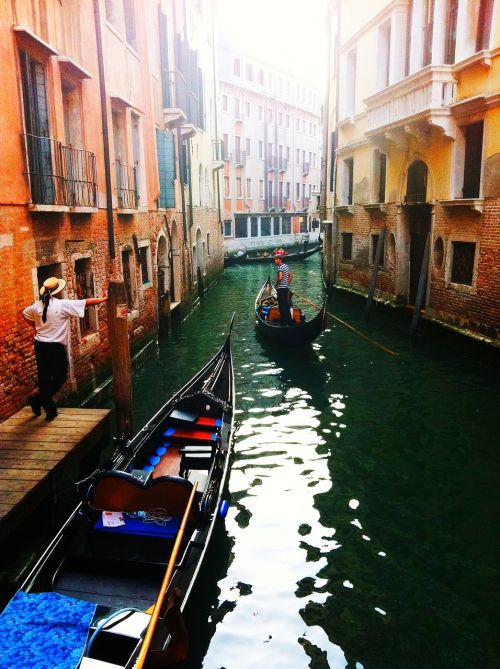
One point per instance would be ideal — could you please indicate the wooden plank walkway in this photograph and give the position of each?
(33, 450)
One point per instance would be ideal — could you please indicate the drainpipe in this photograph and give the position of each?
(216, 129)
(105, 130)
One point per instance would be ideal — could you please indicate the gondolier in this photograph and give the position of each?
(283, 280)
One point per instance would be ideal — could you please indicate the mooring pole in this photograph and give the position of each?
(422, 283)
(120, 358)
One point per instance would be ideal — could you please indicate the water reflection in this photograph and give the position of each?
(363, 494)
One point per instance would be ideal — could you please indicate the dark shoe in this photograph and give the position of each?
(35, 406)
(51, 415)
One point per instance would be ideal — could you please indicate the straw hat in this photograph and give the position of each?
(53, 285)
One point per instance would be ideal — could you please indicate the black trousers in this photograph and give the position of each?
(52, 366)
(284, 306)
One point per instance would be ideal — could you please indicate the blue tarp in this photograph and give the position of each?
(44, 631)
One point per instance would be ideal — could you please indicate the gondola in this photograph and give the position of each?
(136, 541)
(290, 257)
(234, 259)
(267, 320)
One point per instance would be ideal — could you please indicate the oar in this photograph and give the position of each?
(166, 579)
(346, 325)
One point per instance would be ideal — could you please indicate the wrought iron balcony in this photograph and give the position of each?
(282, 164)
(60, 175)
(126, 186)
(240, 158)
(272, 162)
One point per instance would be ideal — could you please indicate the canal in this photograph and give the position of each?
(364, 511)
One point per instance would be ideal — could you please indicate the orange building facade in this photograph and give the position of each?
(96, 183)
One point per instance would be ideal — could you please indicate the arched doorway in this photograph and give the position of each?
(418, 223)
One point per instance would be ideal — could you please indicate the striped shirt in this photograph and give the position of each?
(285, 272)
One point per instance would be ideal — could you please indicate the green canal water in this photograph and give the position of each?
(363, 527)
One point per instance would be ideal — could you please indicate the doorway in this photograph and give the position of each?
(419, 225)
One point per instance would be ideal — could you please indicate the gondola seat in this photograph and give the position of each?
(120, 491)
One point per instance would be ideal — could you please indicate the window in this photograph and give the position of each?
(261, 189)
(225, 146)
(287, 120)
(130, 29)
(136, 153)
(350, 84)
(287, 190)
(270, 115)
(286, 225)
(237, 67)
(297, 125)
(269, 151)
(261, 149)
(379, 176)
(409, 18)
(128, 269)
(249, 69)
(224, 103)
(113, 13)
(384, 50)
(254, 226)
(238, 187)
(462, 268)
(348, 181)
(260, 77)
(280, 118)
(84, 288)
(428, 30)
(165, 150)
(227, 191)
(247, 109)
(373, 250)
(228, 227)
(249, 188)
(247, 146)
(287, 155)
(265, 226)
(145, 262)
(237, 113)
(473, 159)
(240, 225)
(298, 157)
(484, 25)
(297, 191)
(451, 31)
(208, 243)
(261, 113)
(36, 120)
(347, 246)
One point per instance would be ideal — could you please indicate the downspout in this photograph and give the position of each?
(216, 129)
(105, 130)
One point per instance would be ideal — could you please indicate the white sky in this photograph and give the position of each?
(287, 34)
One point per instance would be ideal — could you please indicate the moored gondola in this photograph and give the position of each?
(290, 257)
(267, 320)
(129, 554)
(235, 259)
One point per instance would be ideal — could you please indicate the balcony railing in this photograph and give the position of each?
(126, 186)
(282, 164)
(60, 175)
(425, 95)
(271, 201)
(218, 150)
(240, 158)
(305, 168)
(272, 162)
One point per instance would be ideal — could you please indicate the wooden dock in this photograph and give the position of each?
(32, 451)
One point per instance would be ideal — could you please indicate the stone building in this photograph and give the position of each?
(107, 121)
(411, 186)
(270, 126)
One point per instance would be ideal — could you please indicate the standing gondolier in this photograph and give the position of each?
(50, 319)
(283, 280)
(305, 240)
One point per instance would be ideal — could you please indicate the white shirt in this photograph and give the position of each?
(56, 327)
